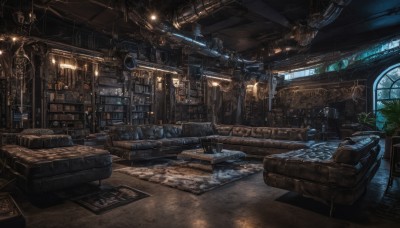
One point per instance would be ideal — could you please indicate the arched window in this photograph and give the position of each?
(386, 87)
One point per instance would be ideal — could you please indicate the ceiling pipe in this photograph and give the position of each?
(194, 10)
(317, 21)
(305, 34)
(320, 20)
(174, 35)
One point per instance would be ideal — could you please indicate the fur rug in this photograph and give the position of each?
(179, 174)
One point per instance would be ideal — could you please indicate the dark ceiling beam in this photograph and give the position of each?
(227, 23)
(107, 6)
(269, 35)
(48, 8)
(263, 9)
(97, 14)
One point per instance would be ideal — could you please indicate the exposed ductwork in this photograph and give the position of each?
(302, 34)
(320, 20)
(305, 34)
(174, 35)
(196, 9)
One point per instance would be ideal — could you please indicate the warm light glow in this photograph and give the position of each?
(1, 52)
(53, 61)
(153, 17)
(14, 39)
(277, 50)
(159, 79)
(218, 78)
(175, 81)
(158, 69)
(68, 66)
(215, 84)
(96, 72)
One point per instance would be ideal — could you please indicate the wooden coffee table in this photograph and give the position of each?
(206, 161)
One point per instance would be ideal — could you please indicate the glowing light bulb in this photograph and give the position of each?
(1, 52)
(96, 73)
(153, 17)
(14, 39)
(53, 61)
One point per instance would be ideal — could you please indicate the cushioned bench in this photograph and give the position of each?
(47, 162)
(334, 174)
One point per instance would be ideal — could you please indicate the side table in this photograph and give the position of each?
(394, 164)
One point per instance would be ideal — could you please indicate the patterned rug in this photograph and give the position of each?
(109, 198)
(182, 175)
(389, 206)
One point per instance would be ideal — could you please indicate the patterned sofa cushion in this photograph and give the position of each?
(224, 130)
(173, 142)
(196, 129)
(152, 131)
(352, 149)
(37, 131)
(296, 134)
(261, 132)
(241, 131)
(280, 133)
(125, 132)
(317, 165)
(137, 144)
(172, 130)
(45, 141)
(264, 143)
(55, 161)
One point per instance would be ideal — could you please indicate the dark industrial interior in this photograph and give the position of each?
(199, 113)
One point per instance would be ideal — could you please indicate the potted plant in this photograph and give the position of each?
(367, 121)
(391, 112)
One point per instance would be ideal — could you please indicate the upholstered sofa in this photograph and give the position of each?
(262, 141)
(153, 141)
(335, 174)
(43, 161)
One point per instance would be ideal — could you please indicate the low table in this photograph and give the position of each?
(208, 161)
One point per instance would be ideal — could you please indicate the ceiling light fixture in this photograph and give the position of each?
(153, 17)
(215, 84)
(67, 66)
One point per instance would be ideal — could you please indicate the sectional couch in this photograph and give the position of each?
(333, 173)
(153, 141)
(43, 161)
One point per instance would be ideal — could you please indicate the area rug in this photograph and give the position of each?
(109, 198)
(180, 174)
(389, 206)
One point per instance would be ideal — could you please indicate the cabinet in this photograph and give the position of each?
(66, 114)
(62, 114)
(141, 105)
(111, 110)
(190, 101)
(190, 112)
(111, 99)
